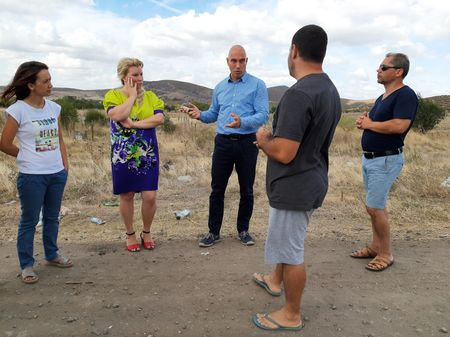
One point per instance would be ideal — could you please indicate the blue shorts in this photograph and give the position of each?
(379, 174)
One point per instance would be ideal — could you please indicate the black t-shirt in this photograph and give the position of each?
(401, 104)
(308, 113)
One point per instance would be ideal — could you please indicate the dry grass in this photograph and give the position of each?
(418, 204)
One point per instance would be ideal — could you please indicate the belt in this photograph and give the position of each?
(237, 136)
(371, 155)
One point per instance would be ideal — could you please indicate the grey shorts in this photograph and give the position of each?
(286, 236)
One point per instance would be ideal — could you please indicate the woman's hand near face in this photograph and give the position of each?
(122, 111)
(129, 87)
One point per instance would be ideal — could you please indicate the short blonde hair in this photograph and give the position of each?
(125, 64)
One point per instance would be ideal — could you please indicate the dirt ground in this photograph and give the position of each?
(180, 289)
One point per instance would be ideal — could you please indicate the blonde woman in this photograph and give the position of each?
(134, 114)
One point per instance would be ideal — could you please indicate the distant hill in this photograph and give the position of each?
(348, 105)
(179, 92)
(356, 106)
(275, 93)
(365, 105)
(175, 92)
(443, 101)
(97, 94)
(167, 90)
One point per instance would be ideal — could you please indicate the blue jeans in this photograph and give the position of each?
(379, 174)
(36, 192)
(242, 155)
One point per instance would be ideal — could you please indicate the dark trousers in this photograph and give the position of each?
(232, 152)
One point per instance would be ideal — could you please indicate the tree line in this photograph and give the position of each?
(429, 114)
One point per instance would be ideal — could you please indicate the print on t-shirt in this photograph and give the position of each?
(46, 135)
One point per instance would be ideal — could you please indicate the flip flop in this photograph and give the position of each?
(263, 284)
(364, 253)
(60, 262)
(379, 264)
(278, 326)
(28, 276)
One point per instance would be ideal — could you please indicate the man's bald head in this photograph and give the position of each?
(237, 49)
(237, 62)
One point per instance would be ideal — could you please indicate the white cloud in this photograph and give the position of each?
(419, 70)
(360, 74)
(333, 59)
(44, 31)
(82, 44)
(63, 61)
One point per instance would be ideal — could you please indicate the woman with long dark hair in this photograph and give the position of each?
(41, 159)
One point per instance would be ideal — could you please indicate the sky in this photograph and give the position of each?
(188, 40)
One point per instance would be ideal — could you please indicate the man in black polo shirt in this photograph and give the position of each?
(297, 172)
(385, 129)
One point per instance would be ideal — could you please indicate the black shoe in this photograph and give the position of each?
(246, 238)
(208, 240)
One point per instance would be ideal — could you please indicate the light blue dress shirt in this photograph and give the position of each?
(246, 97)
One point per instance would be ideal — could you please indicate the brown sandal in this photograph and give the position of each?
(379, 264)
(364, 253)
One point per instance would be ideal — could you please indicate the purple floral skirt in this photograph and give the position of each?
(134, 159)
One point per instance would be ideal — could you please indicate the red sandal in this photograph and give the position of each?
(135, 247)
(147, 245)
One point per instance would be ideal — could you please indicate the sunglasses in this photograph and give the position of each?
(384, 67)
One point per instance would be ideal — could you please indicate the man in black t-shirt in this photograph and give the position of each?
(297, 172)
(385, 129)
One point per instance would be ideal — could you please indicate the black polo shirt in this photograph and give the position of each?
(307, 113)
(401, 104)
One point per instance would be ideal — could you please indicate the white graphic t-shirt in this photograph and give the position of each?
(39, 151)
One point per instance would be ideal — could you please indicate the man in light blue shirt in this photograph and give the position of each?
(240, 105)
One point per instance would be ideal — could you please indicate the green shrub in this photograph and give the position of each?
(69, 114)
(346, 122)
(429, 114)
(201, 106)
(93, 117)
(168, 126)
(82, 103)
